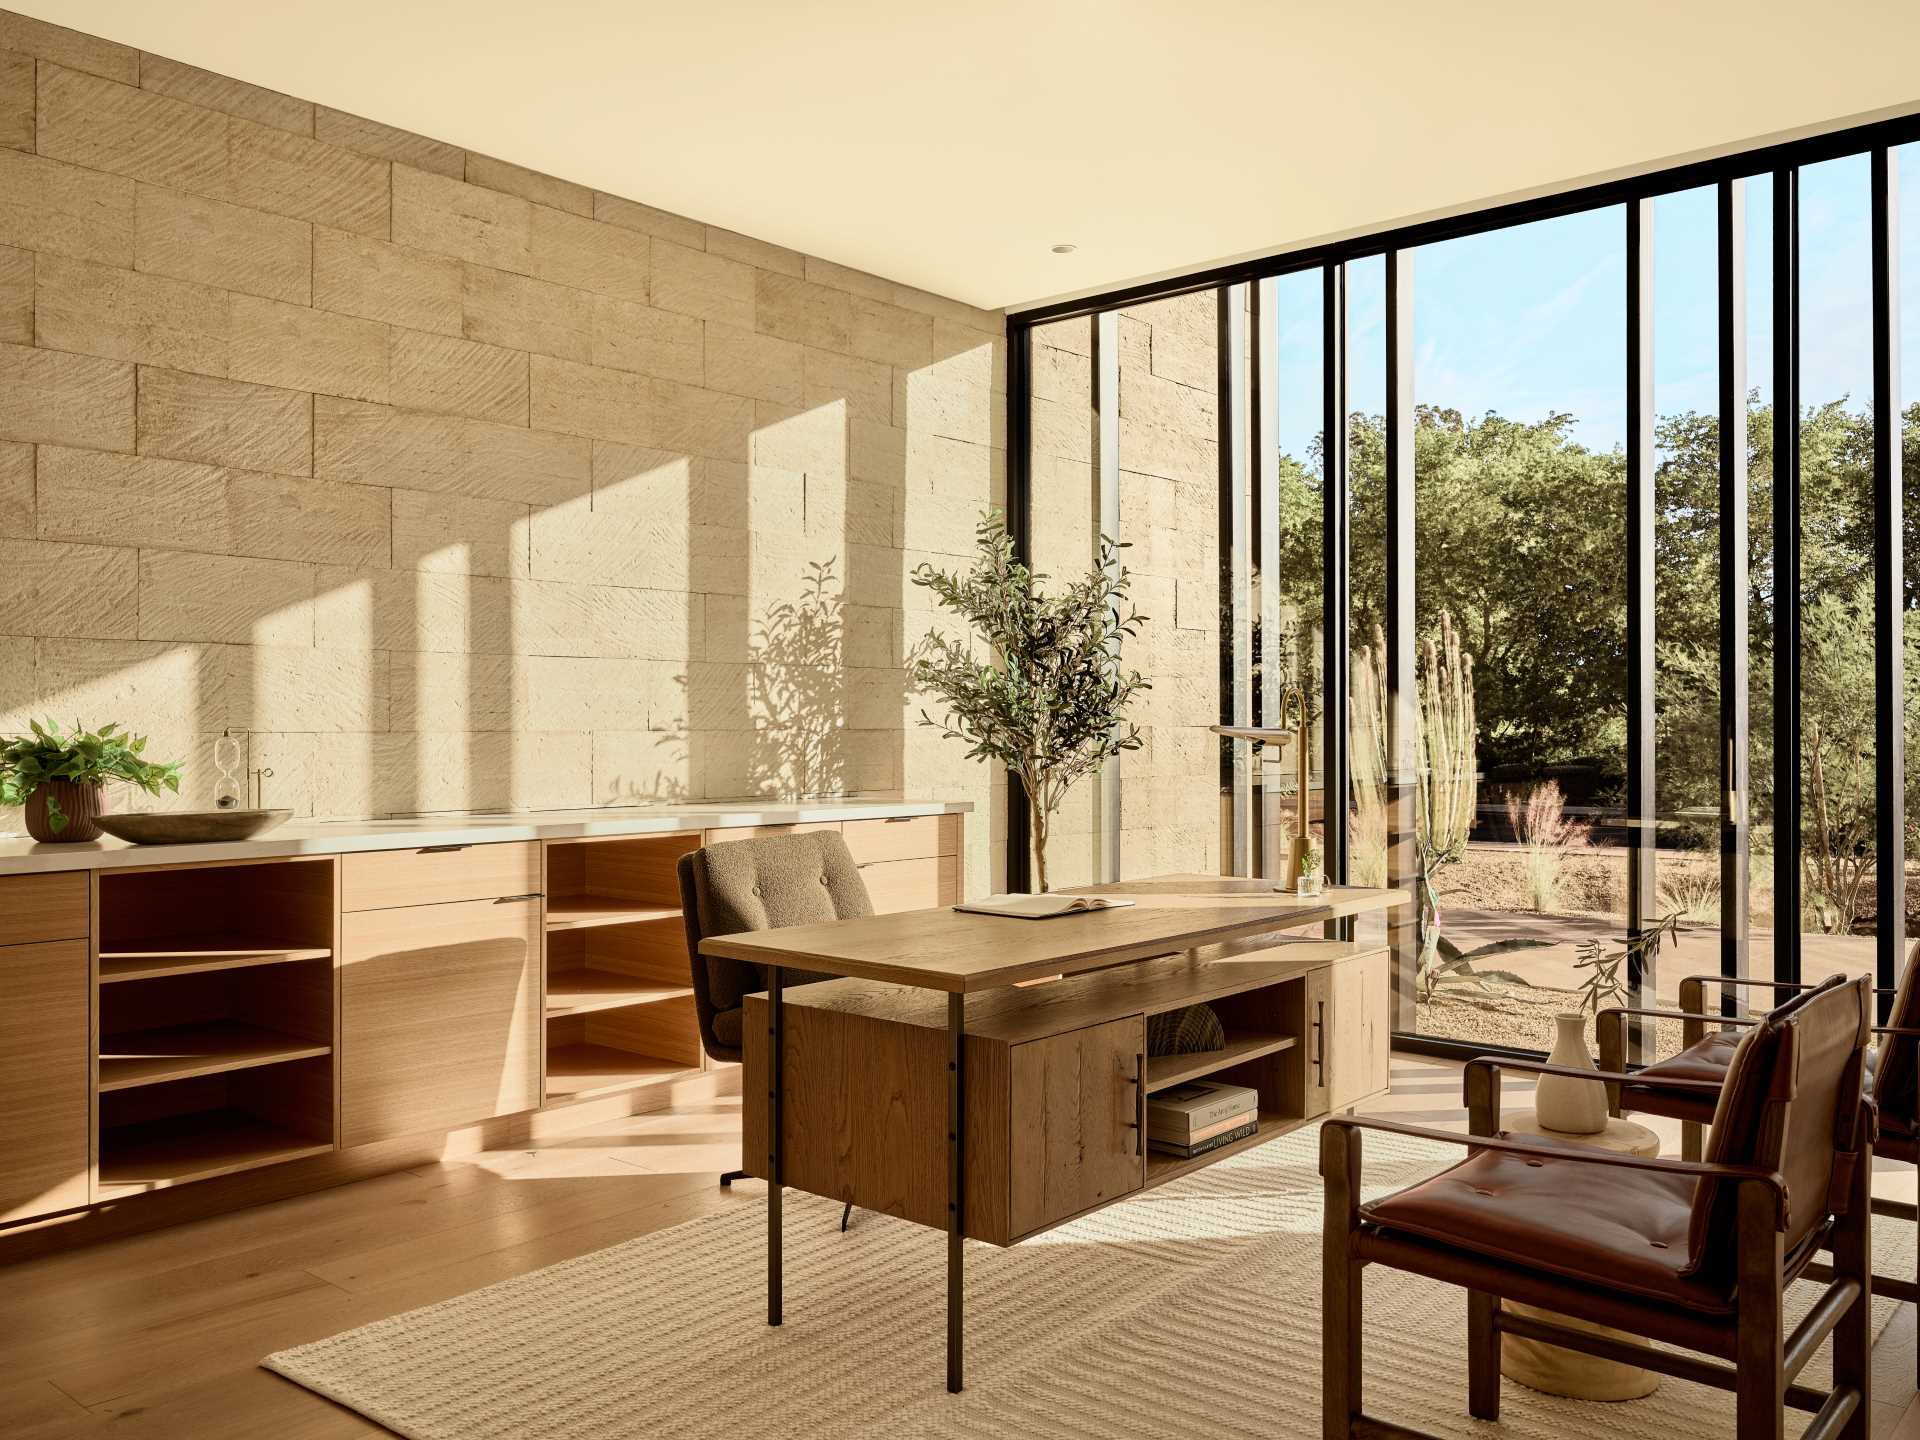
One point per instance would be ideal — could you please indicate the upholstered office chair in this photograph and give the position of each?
(1708, 1041)
(759, 884)
(1695, 1254)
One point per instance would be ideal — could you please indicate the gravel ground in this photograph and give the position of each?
(1514, 1015)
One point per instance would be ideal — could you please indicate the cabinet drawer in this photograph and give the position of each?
(34, 908)
(895, 885)
(439, 1017)
(381, 879)
(44, 1072)
(908, 837)
(1075, 1140)
(760, 832)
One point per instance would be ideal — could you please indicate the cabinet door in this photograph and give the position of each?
(1356, 1037)
(439, 1017)
(44, 1073)
(1074, 1121)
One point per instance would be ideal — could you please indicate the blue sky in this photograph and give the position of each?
(1528, 321)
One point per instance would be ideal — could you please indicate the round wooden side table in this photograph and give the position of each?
(1567, 1372)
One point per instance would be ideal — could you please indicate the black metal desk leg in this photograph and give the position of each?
(776, 1025)
(956, 1186)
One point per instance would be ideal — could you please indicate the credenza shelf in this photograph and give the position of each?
(1166, 1071)
(198, 958)
(181, 1052)
(581, 1071)
(1162, 1167)
(585, 992)
(154, 1154)
(586, 912)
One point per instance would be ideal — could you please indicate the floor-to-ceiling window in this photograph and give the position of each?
(1520, 623)
(1614, 563)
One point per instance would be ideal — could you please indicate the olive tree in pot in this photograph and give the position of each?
(1035, 682)
(61, 776)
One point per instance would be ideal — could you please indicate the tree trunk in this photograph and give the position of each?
(1037, 822)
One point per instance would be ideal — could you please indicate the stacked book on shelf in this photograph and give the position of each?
(1201, 1115)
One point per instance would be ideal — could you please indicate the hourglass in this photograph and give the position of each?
(227, 760)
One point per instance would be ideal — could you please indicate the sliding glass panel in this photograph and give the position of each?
(1839, 863)
(1686, 589)
(1172, 794)
(1520, 603)
(1065, 529)
(1908, 339)
(1289, 496)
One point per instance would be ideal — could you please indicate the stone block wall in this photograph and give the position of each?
(453, 484)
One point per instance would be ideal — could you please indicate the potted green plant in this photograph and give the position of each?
(1310, 862)
(1036, 681)
(60, 777)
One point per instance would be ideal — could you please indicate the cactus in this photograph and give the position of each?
(1448, 781)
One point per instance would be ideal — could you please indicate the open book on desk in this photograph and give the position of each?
(1040, 907)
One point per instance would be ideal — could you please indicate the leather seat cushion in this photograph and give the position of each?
(1615, 1228)
(1703, 1060)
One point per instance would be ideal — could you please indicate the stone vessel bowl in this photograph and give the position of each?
(192, 827)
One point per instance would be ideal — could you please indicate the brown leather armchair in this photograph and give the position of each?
(1708, 1040)
(1694, 1254)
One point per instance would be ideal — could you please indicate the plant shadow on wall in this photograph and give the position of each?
(1035, 681)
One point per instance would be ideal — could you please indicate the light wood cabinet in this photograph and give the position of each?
(1078, 1143)
(438, 874)
(34, 908)
(440, 1017)
(44, 1070)
(1356, 1040)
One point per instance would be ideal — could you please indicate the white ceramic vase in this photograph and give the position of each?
(1575, 1107)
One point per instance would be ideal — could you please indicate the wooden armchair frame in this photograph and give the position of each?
(1750, 1354)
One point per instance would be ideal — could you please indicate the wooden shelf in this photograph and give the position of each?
(582, 912)
(1168, 1070)
(153, 1154)
(581, 992)
(195, 959)
(1162, 1167)
(180, 1052)
(577, 1071)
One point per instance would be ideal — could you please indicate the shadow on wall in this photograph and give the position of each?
(726, 616)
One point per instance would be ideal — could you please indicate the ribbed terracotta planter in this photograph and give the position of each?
(83, 805)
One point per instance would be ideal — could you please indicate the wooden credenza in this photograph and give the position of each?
(169, 1023)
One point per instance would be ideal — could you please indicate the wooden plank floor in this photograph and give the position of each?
(160, 1335)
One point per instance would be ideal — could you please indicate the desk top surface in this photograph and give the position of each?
(960, 952)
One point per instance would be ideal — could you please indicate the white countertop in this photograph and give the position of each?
(21, 856)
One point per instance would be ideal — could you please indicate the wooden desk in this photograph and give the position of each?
(1045, 1084)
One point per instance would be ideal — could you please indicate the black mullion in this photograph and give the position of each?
(1734, 583)
(1888, 599)
(1020, 528)
(1641, 799)
(1335, 552)
(1403, 863)
(1786, 576)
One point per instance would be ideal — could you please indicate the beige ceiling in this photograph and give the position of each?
(951, 143)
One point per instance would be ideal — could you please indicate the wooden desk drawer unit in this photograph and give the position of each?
(439, 874)
(34, 908)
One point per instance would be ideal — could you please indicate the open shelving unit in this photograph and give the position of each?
(619, 998)
(216, 1021)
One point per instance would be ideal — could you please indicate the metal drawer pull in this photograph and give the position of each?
(441, 849)
(510, 899)
(1320, 1043)
(1138, 1123)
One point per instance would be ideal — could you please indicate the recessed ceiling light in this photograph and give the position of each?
(1065, 249)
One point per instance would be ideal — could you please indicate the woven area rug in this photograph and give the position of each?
(1191, 1311)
